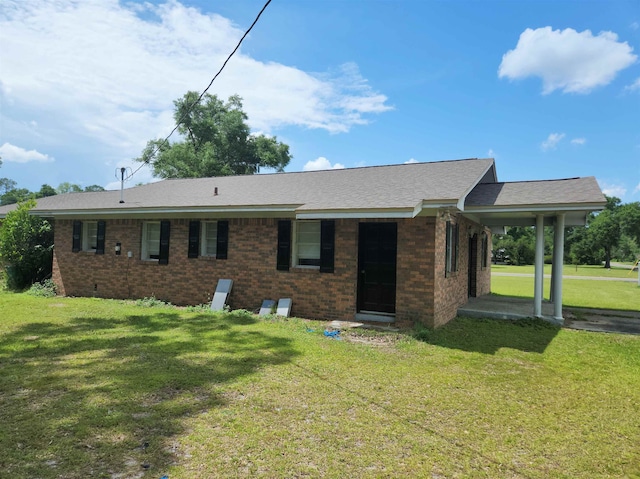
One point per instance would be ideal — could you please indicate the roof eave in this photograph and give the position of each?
(550, 208)
(240, 211)
(356, 213)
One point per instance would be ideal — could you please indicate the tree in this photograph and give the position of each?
(15, 195)
(582, 247)
(46, 190)
(7, 185)
(26, 247)
(630, 220)
(67, 187)
(93, 188)
(605, 231)
(518, 244)
(217, 142)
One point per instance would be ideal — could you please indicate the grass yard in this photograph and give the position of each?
(571, 270)
(98, 388)
(583, 293)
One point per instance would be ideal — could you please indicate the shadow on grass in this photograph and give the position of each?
(489, 335)
(101, 397)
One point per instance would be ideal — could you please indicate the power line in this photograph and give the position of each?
(203, 91)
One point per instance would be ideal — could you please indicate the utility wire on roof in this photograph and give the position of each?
(205, 90)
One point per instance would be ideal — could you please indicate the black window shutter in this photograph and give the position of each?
(222, 240)
(163, 257)
(456, 245)
(447, 255)
(284, 245)
(327, 245)
(77, 236)
(194, 239)
(102, 226)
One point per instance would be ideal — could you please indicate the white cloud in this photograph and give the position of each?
(634, 86)
(412, 160)
(611, 189)
(10, 152)
(491, 153)
(567, 60)
(634, 25)
(552, 141)
(578, 141)
(321, 163)
(636, 189)
(109, 71)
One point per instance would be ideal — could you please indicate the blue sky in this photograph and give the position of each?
(550, 89)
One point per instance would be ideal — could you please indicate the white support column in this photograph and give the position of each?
(539, 267)
(558, 254)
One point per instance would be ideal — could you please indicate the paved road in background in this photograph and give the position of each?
(631, 279)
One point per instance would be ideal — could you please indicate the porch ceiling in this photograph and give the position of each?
(504, 217)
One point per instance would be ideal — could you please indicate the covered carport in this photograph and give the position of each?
(557, 203)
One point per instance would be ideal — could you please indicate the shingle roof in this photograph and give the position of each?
(573, 191)
(378, 187)
(402, 189)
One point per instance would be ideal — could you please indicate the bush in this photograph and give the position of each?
(46, 289)
(152, 302)
(199, 308)
(26, 247)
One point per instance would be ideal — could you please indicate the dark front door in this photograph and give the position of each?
(377, 248)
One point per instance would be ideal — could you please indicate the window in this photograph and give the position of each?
(151, 240)
(307, 244)
(484, 250)
(209, 240)
(155, 241)
(88, 236)
(451, 254)
(313, 245)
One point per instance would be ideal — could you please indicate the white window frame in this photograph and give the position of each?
(298, 230)
(208, 235)
(89, 236)
(146, 253)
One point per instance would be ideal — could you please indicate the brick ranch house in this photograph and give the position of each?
(401, 243)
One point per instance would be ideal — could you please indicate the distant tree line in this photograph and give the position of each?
(10, 193)
(611, 234)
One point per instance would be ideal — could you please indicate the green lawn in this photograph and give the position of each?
(98, 388)
(571, 270)
(581, 293)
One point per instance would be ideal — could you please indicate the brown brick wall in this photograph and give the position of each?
(452, 291)
(251, 264)
(415, 271)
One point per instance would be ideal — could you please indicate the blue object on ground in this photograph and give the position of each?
(332, 334)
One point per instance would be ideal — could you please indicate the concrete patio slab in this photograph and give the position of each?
(586, 319)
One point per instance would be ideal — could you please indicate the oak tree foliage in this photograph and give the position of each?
(216, 141)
